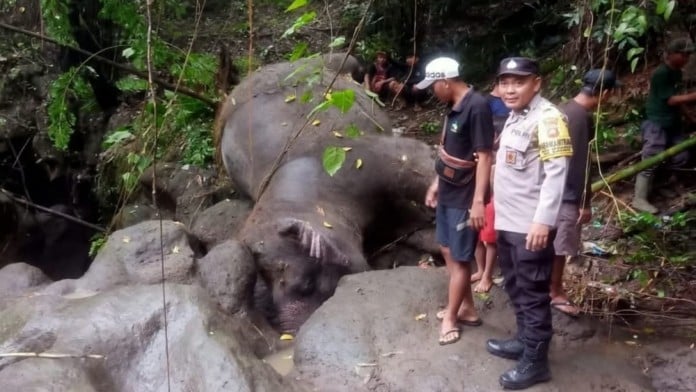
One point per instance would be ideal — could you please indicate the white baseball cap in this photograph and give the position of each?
(440, 68)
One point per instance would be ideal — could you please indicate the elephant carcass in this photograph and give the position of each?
(306, 229)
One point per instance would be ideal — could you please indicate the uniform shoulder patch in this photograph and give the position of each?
(554, 138)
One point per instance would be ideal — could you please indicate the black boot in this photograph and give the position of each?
(532, 369)
(508, 349)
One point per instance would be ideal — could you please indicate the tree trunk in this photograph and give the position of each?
(642, 165)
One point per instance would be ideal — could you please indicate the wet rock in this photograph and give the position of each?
(133, 255)
(133, 214)
(207, 350)
(371, 335)
(18, 277)
(228, 273)
(673, 367)
(221, 221)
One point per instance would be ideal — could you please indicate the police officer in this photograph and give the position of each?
(530, 175)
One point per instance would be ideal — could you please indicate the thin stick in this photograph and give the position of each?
(50, 211)
(51, 355)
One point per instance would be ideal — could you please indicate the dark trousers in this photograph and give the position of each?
(657, 139)
(527, 279)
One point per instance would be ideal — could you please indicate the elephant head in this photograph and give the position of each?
(301, 266)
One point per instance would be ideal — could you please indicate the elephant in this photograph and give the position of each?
(307, 228)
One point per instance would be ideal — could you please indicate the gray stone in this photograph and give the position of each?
(673, 367)
(228, 273)
(221, 221)
(369, 336)
(17, 278)
(207, 350)
(133, 255)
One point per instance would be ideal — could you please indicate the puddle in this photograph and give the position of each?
(281, 361)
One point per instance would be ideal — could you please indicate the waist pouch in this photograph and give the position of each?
(454, 170)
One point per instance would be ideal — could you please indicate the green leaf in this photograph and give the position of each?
(352, 131)
(333, 159)
(343, 100)
(302, 21)
(319, 108)
(660, 293)
(338, 41)
(634, 63)
(633, 52)
(299, 51)
(661, 6)
(586, 33)
(296, 4)
(306, 96)
(116, 137)
(669, 9)
(128, 52)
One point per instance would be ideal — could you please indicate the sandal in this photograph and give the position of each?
(562, 306)
(455, 335)
(469, 323)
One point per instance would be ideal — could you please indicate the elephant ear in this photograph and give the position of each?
(312, 241)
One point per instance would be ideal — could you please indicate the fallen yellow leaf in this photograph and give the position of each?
(358, 163)
(286, 336)
(346, 149)
(421, 316)
(290, 98)
(327, 224)
(316, 122)
(337, 134)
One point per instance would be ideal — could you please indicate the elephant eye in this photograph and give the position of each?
(306, 287)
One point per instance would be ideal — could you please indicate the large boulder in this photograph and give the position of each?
(372, 335)
(119, 343)
(134, 256)
(221, 221)
(18, 278)
(228, 273)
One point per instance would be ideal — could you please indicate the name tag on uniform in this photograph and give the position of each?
(510, 156)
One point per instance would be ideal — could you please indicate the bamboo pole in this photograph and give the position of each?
(644, 164)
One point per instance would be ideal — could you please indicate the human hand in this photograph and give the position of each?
(431, 195)
(537, 238)
(476, 215)
(585, 216)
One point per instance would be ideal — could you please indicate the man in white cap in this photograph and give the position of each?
(460, 189)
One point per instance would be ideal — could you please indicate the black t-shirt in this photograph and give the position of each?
(581, 132)
(468, 128)
(414, 76)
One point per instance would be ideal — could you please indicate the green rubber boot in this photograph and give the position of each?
(640, 197)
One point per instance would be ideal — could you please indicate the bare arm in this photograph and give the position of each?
(681, 99)
(483, 175)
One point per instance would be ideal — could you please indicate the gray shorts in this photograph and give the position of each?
(567, 242)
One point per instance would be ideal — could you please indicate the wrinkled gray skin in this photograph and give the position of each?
(306, 229)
